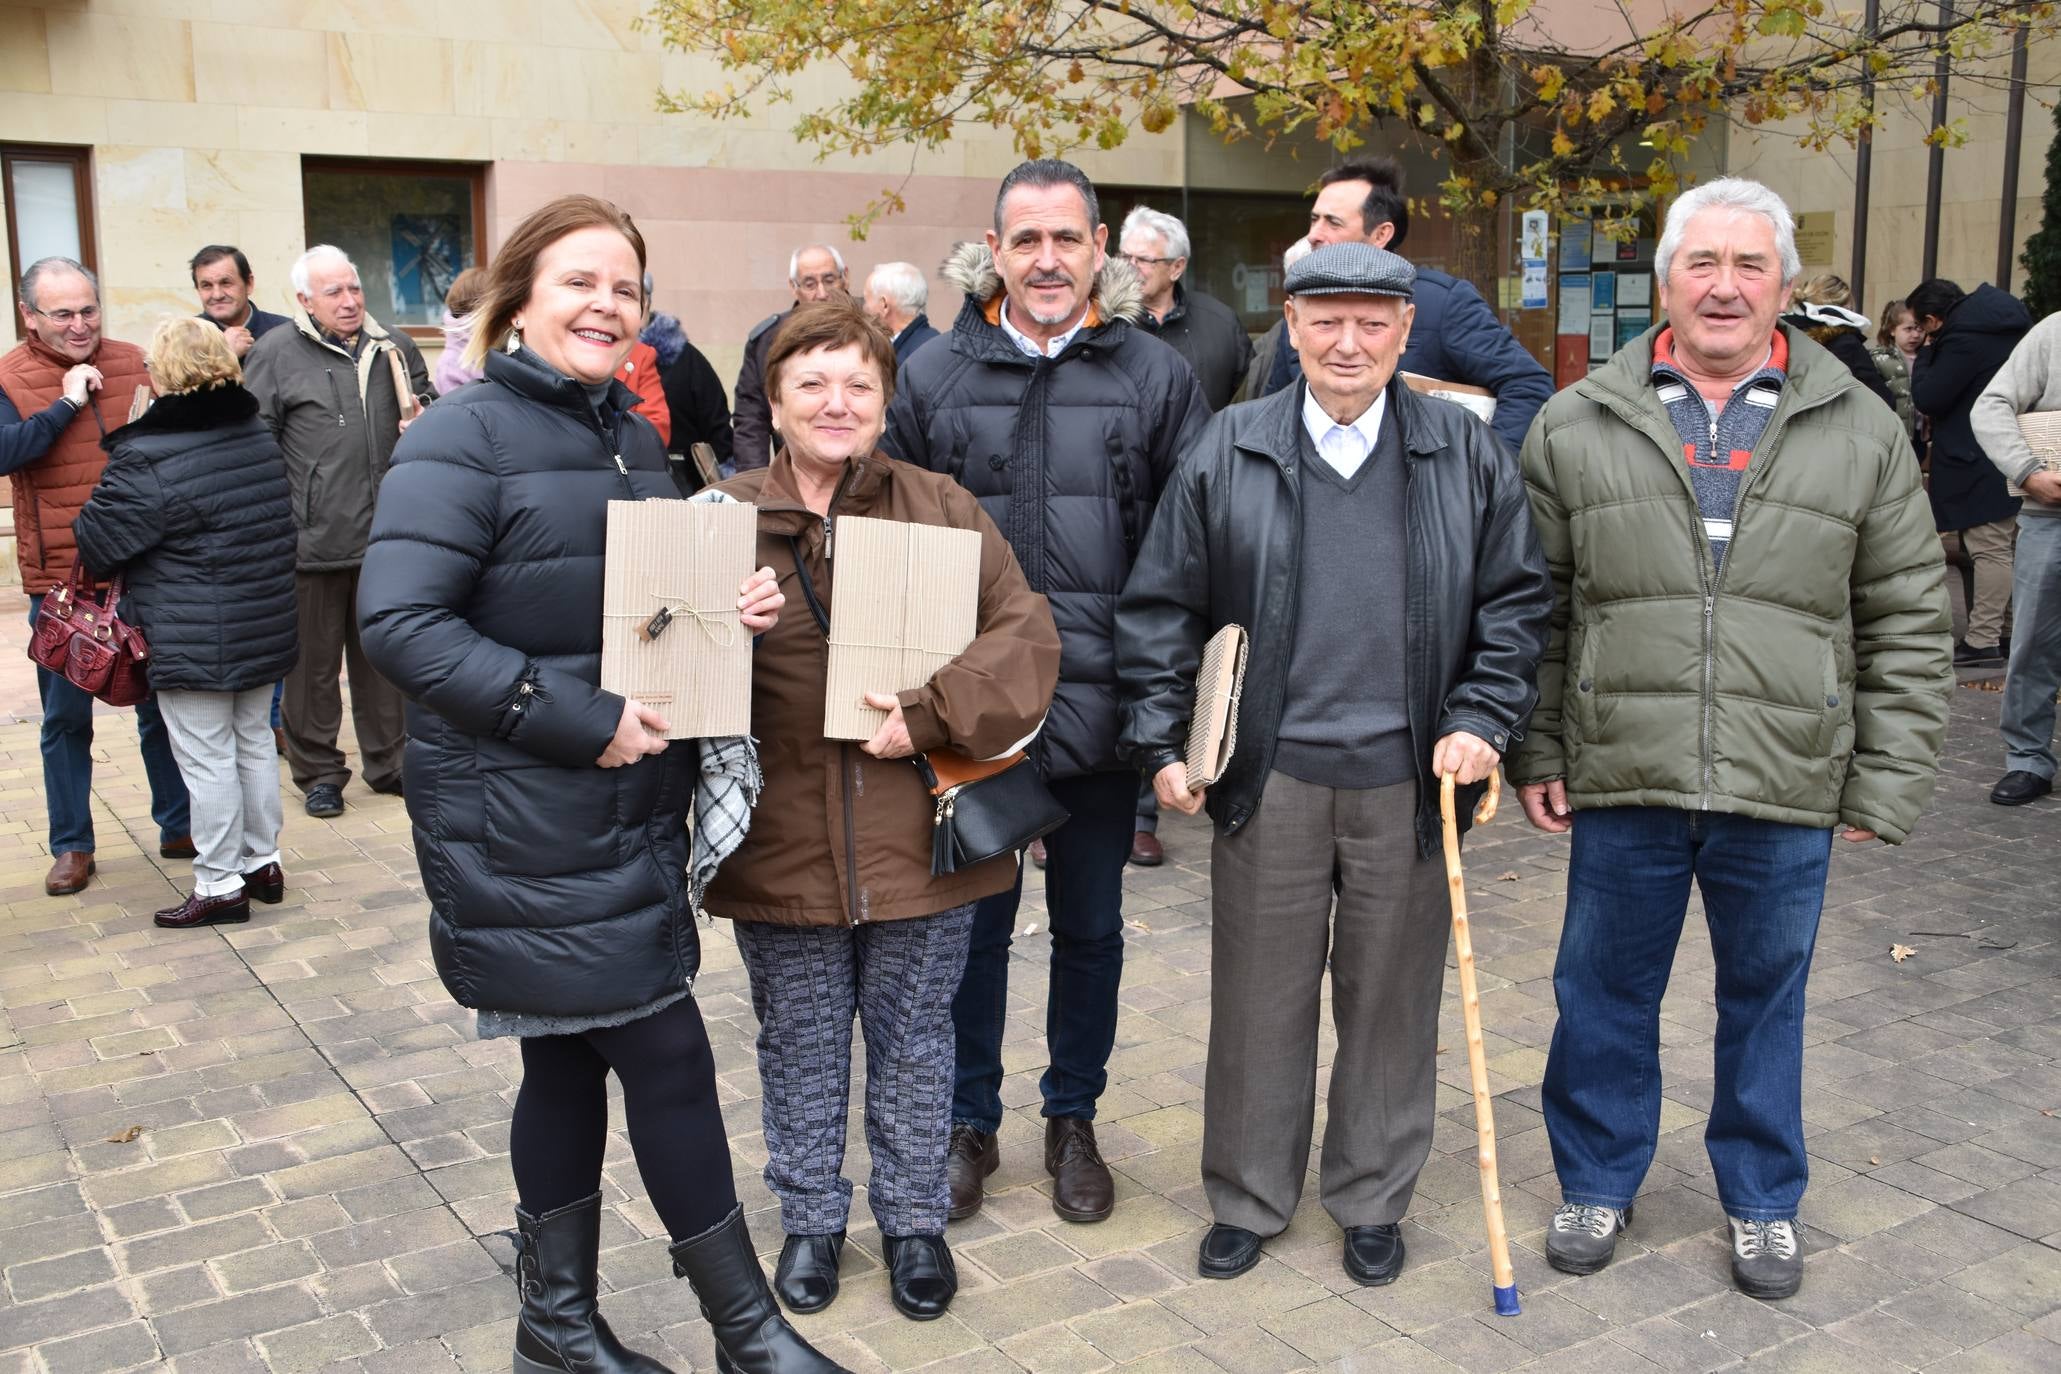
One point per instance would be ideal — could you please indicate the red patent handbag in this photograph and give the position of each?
(85, 641)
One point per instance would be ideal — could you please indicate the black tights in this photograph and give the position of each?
(669, 1101)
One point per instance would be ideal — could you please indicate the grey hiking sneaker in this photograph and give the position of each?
(1767, 1262)
(1582, 1238)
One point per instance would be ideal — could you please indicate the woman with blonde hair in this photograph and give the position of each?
(1818, 307)
(551, 815)
(193, 512)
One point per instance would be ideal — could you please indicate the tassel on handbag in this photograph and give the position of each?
(984, 807)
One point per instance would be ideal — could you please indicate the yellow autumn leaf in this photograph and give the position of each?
(1901, 952)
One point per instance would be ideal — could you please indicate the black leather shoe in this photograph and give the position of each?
(921, 1278)
(2018, 787)
(1227, 1252)
(1967, 655)
(1374, 1254)
(267, 885)
(325, 799)
(970, 1157)
(806, 1277)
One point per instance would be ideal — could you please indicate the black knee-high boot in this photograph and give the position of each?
(561, 1330)
(752, 1337)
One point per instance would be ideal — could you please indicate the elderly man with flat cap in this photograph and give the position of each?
(1377, 546)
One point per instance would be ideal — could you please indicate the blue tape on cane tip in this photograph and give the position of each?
(1506, 1301)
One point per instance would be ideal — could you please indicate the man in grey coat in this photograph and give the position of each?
(337, 389)
(2028, 382)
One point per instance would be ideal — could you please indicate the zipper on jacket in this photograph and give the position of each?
(336, 394)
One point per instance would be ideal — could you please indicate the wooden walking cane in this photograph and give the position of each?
(1470, 1009)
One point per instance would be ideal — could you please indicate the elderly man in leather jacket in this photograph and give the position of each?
(1378, 547)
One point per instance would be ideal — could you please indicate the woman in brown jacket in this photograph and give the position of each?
(835, 904)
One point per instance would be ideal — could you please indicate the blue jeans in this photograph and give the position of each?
(1763, 886)
(2035, 671)
(68, 763)
(1084, 873)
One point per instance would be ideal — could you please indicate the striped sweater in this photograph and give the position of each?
(1718, 440)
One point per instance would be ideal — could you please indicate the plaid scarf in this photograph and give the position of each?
(726, 790)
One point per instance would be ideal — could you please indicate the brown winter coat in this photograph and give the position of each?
(838, 836)
(49, 492)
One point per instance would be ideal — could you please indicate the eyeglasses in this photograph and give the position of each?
(835, 279)
(63, 318)
(1140, 260)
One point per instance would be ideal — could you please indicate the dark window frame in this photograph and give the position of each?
(475, 172)
(80, 157)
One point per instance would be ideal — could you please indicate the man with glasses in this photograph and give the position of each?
(817, 273)
(1199, 327)
(61, 389)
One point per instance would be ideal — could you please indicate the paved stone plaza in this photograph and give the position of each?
(278, 1147)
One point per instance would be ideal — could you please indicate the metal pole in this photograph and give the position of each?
(1863, 165)
(2014, 135)
(1935, 162)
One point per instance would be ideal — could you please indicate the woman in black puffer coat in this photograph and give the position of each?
(193, 511)
(549, 815)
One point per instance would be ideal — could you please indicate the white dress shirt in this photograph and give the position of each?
(1344, 447)
(1030, 345)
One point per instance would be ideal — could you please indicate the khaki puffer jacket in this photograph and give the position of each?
(1808, 681)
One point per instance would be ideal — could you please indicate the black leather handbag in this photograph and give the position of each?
(984, 807)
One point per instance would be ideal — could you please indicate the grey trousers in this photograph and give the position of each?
(1273, 928)
(2035, 672)
(223, 742)
(311, 712)
(806, 982)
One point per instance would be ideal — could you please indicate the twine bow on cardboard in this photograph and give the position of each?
(719, 624)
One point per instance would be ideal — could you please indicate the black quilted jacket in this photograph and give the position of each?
(193, 508)
(556, 887)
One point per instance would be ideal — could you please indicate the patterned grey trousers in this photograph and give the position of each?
(806, 982)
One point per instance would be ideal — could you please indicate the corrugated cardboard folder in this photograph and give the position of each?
(904, 601)
(1213, 723)
(2042, 431)
(671, 637)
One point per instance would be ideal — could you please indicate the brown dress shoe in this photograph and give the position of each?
(969, 1159)
(1082, 1188)
(267, 885)
(279, 740)
(1146, 851)
(69, 874)
(205, 911)
(181, 848)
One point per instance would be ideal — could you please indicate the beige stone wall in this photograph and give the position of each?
(199, 111)
(1973, 178)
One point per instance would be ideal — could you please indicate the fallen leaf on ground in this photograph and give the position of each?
(1509, 877)
(1875, 1161)
(1901, 952)
(125, 1135)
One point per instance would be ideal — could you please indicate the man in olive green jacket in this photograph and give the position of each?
(1750, 647)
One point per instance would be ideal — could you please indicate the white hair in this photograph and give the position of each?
(902, 283)
(1729, 193)
(794, 259)
(321, 252)
(1168, 229)
(1297, 251)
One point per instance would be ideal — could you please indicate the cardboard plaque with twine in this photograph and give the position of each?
(1213, 724)
(671, 638)
(904, 602)
(2042, 431)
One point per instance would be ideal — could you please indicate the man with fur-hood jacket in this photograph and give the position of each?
(1065, 420)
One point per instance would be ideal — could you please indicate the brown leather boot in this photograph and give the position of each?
(232, 909)
(69, 874)
(969, 1159)
(1082, 1189)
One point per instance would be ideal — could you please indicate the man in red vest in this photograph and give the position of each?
(61, 389)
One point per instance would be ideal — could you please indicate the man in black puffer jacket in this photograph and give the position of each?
(1065, 420)
(1378, 548)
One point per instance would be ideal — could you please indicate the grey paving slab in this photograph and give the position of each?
(318, 1166)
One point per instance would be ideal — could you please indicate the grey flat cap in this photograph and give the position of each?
(1352, 269)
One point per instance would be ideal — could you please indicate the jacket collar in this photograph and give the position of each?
(1116, 303)
(1275, 430)
(524, 373)
(44, 353)
(782, 510)
(373, 332)
(1815, 376)
(187, 412)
